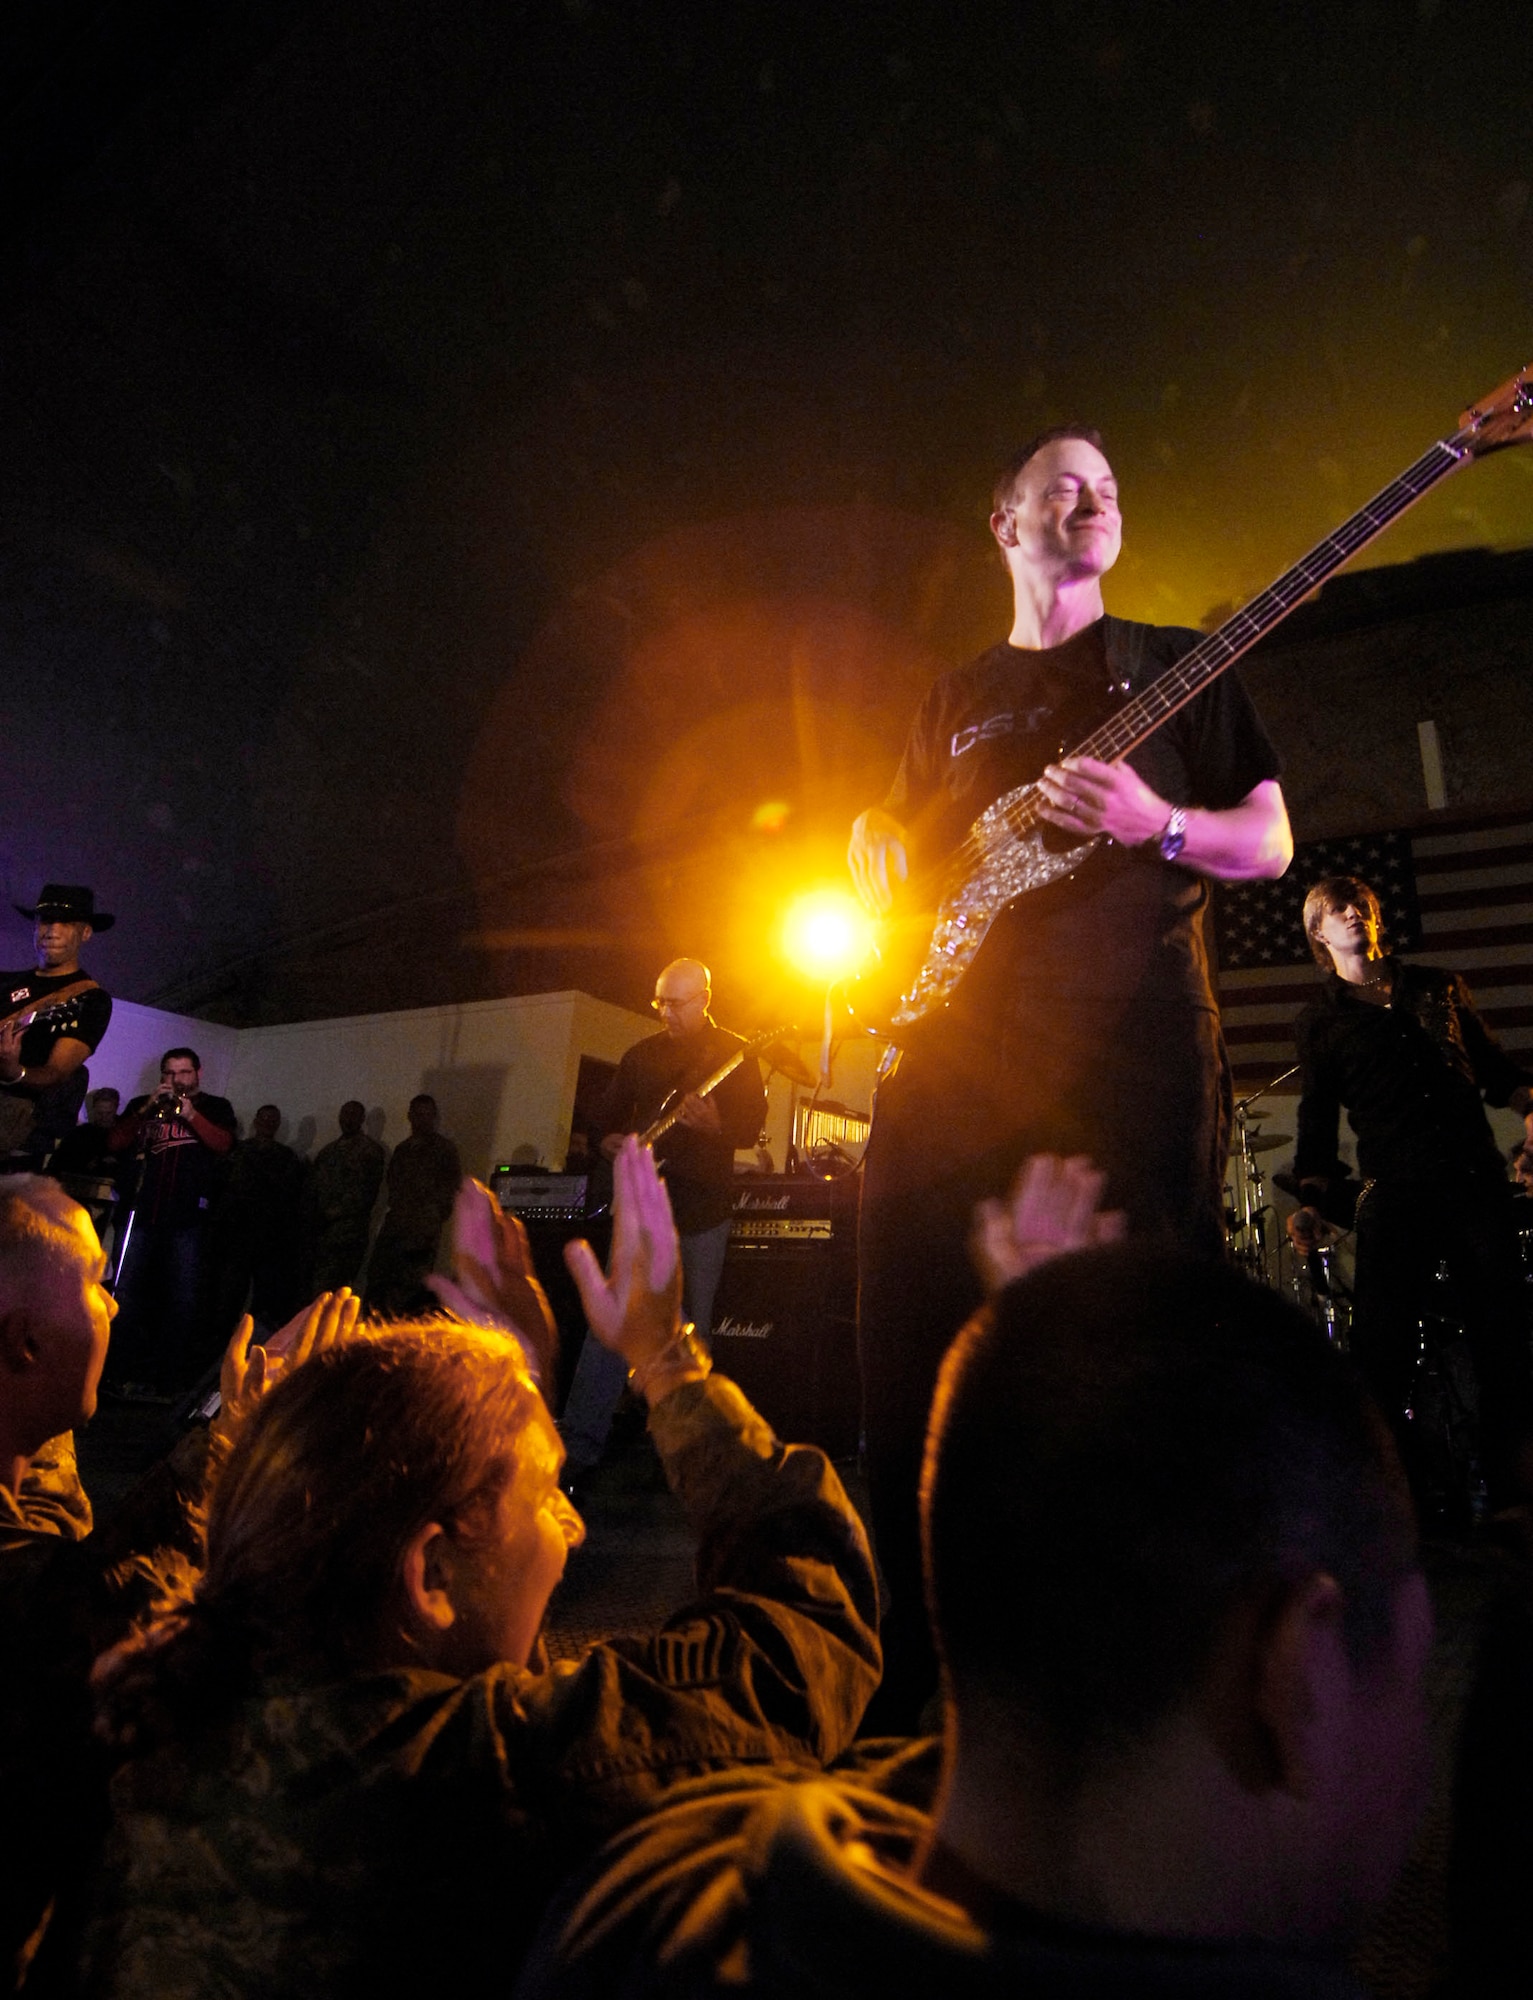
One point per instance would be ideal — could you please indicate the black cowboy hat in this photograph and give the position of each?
(68, 903)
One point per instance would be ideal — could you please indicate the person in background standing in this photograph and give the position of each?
(423, 1180)
(185, 1134)
(339, 1201)
(258, 1231)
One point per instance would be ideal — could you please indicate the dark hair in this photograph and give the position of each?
(1011, 471)
(1333, 893)
(106, 1090)
(188, 1055)
(1134, 1443)
(423, 1097)
(308, 1520)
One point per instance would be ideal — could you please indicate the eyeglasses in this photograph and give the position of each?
(662, 1002)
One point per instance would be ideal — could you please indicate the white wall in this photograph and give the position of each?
(502, 1071)
(129, 1056)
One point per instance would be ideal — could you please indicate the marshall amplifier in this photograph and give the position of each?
(552, 1209)
(785, 1318)
(550, 1197)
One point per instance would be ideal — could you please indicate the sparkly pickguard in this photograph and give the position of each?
(1013, 864)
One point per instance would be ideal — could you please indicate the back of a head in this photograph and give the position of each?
(1132, 1444)
(36, 1232)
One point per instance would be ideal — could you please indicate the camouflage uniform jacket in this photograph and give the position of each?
(402, 1831)
(66, 1593)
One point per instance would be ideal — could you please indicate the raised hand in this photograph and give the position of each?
(493, 1281)
(634, 1307)
(1054, 1206)
(245, 1376)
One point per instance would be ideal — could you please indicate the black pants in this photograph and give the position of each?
(160, 1333)
(1403, 1233)
(1145, 1094)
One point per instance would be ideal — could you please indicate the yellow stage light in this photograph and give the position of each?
(826, 934)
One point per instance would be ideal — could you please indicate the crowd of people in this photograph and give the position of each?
(1134, 1700)
(206, 1222)
(287, 1723)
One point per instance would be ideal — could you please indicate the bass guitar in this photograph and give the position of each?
(923, 956)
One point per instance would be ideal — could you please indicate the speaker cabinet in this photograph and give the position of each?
(785, 1329)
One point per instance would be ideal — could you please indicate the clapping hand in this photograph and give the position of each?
(635, 1306)
(493, 1282)
(248, 1373)
(1054, 1206)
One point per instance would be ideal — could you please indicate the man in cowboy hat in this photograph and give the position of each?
(53, 1017)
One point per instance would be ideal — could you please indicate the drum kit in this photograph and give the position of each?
(1259, 1246)
(1442, 1408)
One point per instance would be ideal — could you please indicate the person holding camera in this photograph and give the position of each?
(182, 1134)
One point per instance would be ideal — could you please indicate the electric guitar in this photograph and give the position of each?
(923, 956)
(671, 1108)
(58, 1106)
(61, 1011)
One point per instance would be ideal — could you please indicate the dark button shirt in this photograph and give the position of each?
(698, 1167)
(1414, 1077)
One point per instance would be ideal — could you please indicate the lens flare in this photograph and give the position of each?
(826, 934)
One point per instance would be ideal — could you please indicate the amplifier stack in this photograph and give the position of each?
(785, 1318)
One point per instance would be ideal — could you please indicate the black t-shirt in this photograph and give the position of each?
(182, 1176)
(1127, 923)
(698, 1167)
(1414, 1077)
(85, 1021)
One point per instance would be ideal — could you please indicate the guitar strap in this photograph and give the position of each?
(85, 984)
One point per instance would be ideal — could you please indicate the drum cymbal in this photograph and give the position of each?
(1267, 1142)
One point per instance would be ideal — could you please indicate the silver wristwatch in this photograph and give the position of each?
(1174, 834)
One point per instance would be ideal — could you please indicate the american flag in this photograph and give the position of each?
(1456, 893)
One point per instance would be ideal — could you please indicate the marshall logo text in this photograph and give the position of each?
(730, 1328)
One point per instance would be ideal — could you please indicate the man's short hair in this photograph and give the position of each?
(35, 1214)
(106, 1090)
(1012, 470)
(1130, 1446)
(182, 1055)
(423, 1097)
(1333, 893)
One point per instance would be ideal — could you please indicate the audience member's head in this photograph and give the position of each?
(351, 1118)
(394, 1502)
(264, 1126)
(1172, 1571)
(422, 1114)
(55, 1317)
(103, 1105)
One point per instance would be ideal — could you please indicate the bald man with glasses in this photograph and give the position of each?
(696, 1160)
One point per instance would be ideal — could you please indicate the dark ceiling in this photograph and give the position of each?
(485, 483)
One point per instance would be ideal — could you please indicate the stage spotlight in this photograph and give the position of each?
(826, 935)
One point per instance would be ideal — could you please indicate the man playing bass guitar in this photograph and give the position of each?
(1087, 1023)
